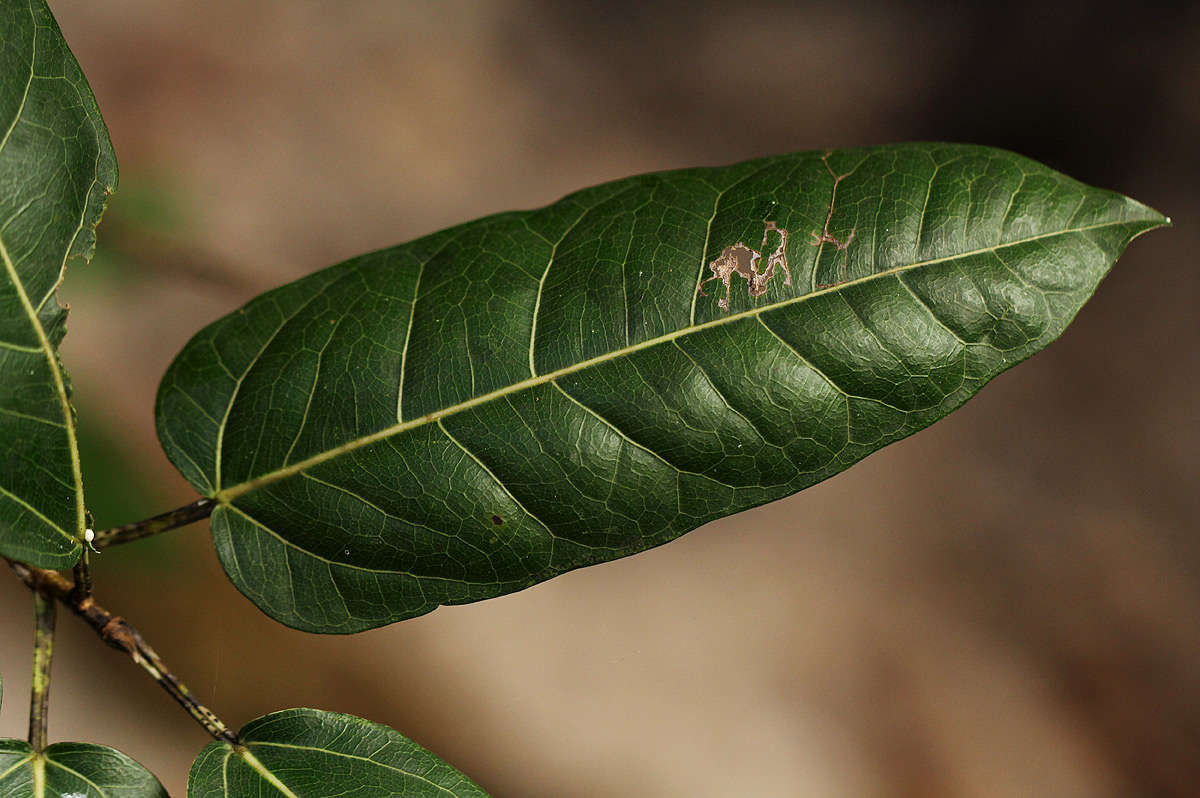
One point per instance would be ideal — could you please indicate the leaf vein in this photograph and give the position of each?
(625, 436)
(503, 486)
(929, 309)
(537, 300)
(344, 755)
(266, 478)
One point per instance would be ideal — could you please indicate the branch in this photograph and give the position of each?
(44, 611)
(83, 577)
(116, 632)
(187, 514)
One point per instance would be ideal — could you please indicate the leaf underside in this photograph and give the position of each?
(492, 405)
(56, 170)
(79, 770)
(313, 754)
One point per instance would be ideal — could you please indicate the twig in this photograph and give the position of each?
(44, 612)
(187, 514)
(116, 632)
(83, 577)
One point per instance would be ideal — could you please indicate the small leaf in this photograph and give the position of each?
(56, 170)
(73, 770)
(308, 753)
(482, 409)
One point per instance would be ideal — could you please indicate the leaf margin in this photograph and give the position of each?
(81, 246)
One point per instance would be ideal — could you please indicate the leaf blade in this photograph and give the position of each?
(57, 168)
(575, 410)
(309, 752)
(84, 770)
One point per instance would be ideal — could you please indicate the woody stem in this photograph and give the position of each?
(44, 611)
(116, 632)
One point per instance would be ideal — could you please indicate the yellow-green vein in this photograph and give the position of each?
(60, 388)
(228, 494)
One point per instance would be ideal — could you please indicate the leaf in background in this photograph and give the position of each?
(56, 169)
(312, 754)
(498, 403)
(73, 770)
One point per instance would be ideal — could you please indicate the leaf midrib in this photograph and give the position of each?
(60, 389)
(227, 495)
(31, 312)
(344, 755)
(269, 776)
(266, 773)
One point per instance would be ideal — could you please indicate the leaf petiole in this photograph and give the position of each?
(164, 522)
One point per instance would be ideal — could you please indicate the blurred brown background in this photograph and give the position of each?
(1003, 605)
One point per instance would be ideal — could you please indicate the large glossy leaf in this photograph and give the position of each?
(495, 404)
(73, 770)
(56, 169)
(308, 753)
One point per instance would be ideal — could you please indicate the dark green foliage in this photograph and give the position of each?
(364, 428)
(80, 770)
(314, 754)
(56, 169)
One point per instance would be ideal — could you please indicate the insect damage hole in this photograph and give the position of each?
(741, 260)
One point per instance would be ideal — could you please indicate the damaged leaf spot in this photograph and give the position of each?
(825, 237)
(497, 520)
(742, 260)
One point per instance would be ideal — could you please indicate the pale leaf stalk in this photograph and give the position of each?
(164, 522)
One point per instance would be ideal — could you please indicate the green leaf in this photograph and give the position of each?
(495, 404)
(310, 754)
(73, 770)
(56, 169)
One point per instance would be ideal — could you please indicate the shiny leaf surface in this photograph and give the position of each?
(314, 754)
(482, 409)
(56, 169)
(73, 770)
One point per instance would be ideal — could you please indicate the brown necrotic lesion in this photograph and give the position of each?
(741, 260)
